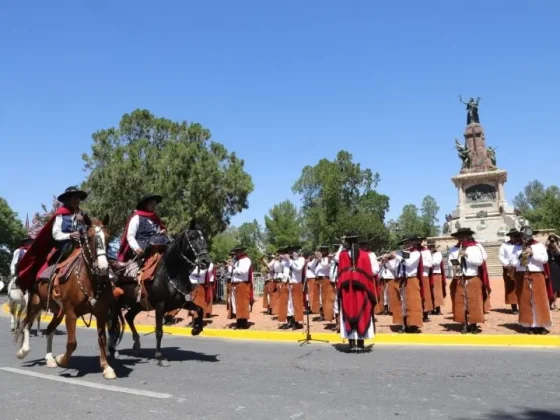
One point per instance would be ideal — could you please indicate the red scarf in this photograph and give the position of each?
(547, 278)
(36, 258)
(124, 247)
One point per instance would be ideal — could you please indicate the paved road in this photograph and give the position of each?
(215, 379)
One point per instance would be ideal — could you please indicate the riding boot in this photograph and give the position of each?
(464, 329)
(117, 291)
(297, 326)
(386, 310)
(438, 310)
(321, 315)
(426, 319)
(514, 310)
(361, 346)
(352, 346)
(401, 329)
(473, 328)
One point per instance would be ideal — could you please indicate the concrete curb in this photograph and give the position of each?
(480, 340)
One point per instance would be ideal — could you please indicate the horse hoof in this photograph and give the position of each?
(22, 354)
(136, 346)
(109, 373)
(163, 363)
(60, 361)
(51, 363)
(12, 330)
(196, 331)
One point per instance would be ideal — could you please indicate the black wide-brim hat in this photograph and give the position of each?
(364, 241)
(463, 231)
(324, 247)
(512, 232)
(72, 191)
(147, 198)
(26, 240)
(238, 248)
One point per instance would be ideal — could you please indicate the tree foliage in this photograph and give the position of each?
(540, 205)
(428, 216)
(339, 196)
(283, 225)
(197, 176)
(222, 244)
(418, 222)
(251, 236)
(11, 228)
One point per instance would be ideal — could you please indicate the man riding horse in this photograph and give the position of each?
(56, 240)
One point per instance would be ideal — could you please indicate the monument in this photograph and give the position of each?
(482, 204)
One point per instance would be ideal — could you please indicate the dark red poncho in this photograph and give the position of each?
(357, 292)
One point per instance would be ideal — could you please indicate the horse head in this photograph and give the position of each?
(97, 239)
(193, 246)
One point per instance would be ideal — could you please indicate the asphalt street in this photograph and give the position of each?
(219, 379)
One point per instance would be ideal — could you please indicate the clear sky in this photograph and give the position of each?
(284, 84)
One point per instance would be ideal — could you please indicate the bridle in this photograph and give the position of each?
(197, 255)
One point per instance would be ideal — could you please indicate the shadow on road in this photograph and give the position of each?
(89, 365)
(173, 354)
(526, 414)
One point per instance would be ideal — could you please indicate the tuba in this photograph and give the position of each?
(526, 248)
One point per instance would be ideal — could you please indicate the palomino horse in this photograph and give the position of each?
(17, 297)
(87, 290)
(169, 290)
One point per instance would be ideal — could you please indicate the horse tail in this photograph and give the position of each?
(117, 328)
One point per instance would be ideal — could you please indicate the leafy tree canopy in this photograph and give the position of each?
(11, 232)
(283, 225)
(540, 205)
(197, 176)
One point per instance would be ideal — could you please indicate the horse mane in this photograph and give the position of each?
(171, 258)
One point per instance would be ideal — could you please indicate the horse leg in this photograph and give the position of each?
(13, 316)
(108, 372)
(160, 312)
(198, 322)
(33, 307)
(39, 332)
(51, 329)
(130, 315)
(71, 342)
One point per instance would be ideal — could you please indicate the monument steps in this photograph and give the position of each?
(493, 262)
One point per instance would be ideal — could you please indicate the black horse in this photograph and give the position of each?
(169, 290)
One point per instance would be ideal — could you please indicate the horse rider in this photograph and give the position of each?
(18, 254)
(55, 241)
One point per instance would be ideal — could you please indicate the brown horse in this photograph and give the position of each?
(87, 290)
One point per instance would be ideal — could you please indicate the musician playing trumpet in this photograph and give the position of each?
(533, 286)
(505, 254)
(470, 285)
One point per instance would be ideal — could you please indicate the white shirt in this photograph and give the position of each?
(57, 233)
(14, 262)
(240, 272)
(474, 259)
(285, 271)
(389, 269)
(296, 269)
(536, 262)
(427, 262)
(278, 270)
(437, 257)
(198, 276)
(210, 272)
(309, 273)
(374, 263)
(322, 267)
(133, 226)
(505, 254)
(411, 263)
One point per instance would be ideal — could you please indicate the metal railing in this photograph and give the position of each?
(258, 287)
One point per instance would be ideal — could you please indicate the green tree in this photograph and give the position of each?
(283, 225)
(250, 235)
(222, 244)
(41, 218)
(338, 196)
(540, 205)
(428, 216)
(197, 176)
(410, 222)
(11, 232)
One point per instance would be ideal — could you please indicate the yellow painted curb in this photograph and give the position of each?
(490, 340)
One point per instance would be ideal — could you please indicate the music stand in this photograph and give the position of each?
(308, 339)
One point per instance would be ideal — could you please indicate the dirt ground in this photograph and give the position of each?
(498, 321)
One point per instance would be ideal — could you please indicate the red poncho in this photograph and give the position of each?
(36, 257)
(357, 292)
(124, 247)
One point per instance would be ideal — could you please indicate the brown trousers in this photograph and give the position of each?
(209, 300)
(242, 299)
(283, 295)
(267, 293)
(275, 297)
(428, 301)
(198, 295)
(297, 301)
(534, 309)
(328, 296)
(439, 299)
(313, 291)
(412, 303)
(510, 289)
(474, 300)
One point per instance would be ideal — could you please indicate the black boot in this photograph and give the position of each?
(413, 330)
(352, 346)
(321, 315)
(464, 329)
(401, 329)
(473, 329)
(438, 310)
(386, 310)
(287, 325)
(514, 310)
(426, 319)
(361, 346)
(297, 326)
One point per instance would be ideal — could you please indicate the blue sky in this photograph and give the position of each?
(284, 84)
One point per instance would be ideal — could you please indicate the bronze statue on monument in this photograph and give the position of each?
(472, 110)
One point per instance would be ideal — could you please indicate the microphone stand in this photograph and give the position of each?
(308, 338)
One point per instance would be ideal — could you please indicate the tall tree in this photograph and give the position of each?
(428, 216)
(11, 228)
(196, 176)
(338, 196)
(250, 235)
(410, 222)
(11, 232)
(540, 205)
(41, 218)
(283, 225)
(222, 244)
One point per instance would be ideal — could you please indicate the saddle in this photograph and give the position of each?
(131, 273)
(59, 273)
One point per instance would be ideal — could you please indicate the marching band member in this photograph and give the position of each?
(505, 254)
(437, 273)
(312, 285)
(296, 273)
(533, 285)
(241, 287)
(427, 280)
(322, 268)
(470, 285)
